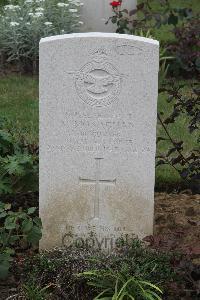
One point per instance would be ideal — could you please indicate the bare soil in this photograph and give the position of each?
(177, 216)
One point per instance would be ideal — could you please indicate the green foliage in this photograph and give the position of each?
(34, 292)
(16, 227)
(164, 65)
(113, 285)
(186, 48)
(186, 164)
(3, 2)
(184, 27)
(23, 25)
(147, 18)
(5, 260)
(183, 54)
(18, 163)
(135, 262)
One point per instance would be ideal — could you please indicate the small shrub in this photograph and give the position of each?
(60, 267)
(185, 162)
(185, 28)
(146, 18)
(186, 49)
(16, 228)
(18, 163)
(3, 2)
(23, 25)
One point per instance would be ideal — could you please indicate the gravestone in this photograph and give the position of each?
(95, 13)
(98, 99)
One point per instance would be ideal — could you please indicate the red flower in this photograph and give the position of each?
(115, 3)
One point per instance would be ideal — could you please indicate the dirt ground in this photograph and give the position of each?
(177, 217)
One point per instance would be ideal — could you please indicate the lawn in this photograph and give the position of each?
(19, 102)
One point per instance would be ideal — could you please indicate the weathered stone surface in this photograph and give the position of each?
(98, 99)
(95, 13)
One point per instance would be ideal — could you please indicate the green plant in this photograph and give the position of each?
(164, 65)
(119, 286)
(146, 18)
(23, 25)
(18, 162)
(3, 2)
(16, 228)
(127, 23)
(186, 163)
(146, 34)
(61, 266)
(34, 292)
(186, 48)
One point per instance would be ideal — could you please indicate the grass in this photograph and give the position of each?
(19, 102)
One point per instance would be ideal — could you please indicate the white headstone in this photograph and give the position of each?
(95, 13)
(98, 99)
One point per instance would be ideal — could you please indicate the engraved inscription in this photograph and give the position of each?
(98, 134)
(128, 49)
(98, 83)
(97, 181)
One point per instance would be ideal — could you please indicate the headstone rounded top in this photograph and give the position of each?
(99, 35)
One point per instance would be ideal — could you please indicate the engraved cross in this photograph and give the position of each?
(97, 181)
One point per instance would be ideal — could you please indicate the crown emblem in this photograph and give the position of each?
(100, 54)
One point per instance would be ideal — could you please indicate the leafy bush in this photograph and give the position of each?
(18, 162)
(23, 25)
(60, 268)
(3, 2)
(146, 18)
(16, 228)
(186, 163)
(186, 49)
